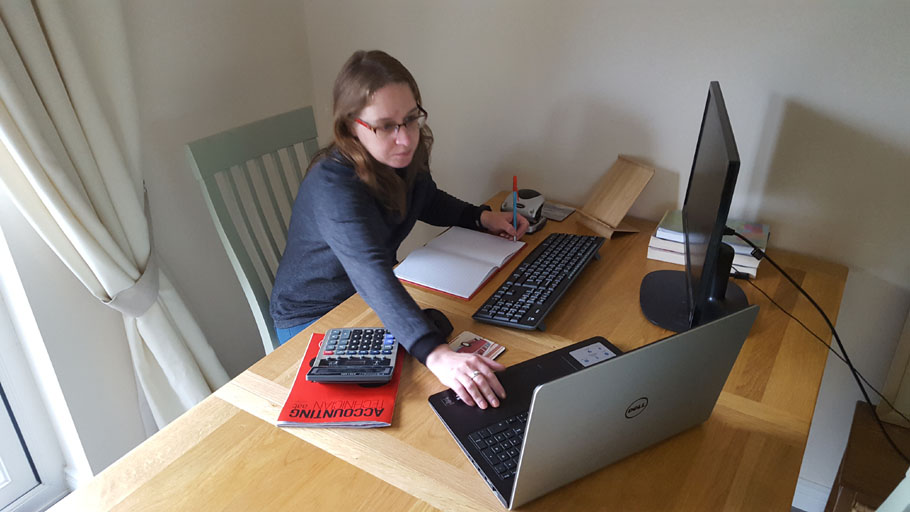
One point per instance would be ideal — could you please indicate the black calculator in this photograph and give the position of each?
(361, 355)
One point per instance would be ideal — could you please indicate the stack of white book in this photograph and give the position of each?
(668, 242)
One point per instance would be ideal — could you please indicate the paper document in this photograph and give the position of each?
(458, 261)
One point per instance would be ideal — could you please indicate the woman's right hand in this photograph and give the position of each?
(469, 375)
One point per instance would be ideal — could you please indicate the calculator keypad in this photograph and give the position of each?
(355, 354)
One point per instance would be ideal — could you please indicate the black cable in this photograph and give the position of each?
(759, 254)
(823, 342)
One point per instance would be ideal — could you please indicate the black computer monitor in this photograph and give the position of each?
(679, 300)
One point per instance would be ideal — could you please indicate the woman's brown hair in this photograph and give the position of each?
(364, 73)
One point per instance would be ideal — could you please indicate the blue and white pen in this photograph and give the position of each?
(515, 206)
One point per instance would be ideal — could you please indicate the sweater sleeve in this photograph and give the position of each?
(350, 221)
(443, 209)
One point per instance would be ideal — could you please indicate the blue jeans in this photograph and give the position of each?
(285, 334)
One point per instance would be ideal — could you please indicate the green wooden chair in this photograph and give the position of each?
(249, 177)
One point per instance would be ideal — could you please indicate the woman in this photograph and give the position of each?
(361, 197)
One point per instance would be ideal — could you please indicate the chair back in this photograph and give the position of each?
(249, 177)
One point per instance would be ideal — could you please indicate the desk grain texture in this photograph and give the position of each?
(226, 453)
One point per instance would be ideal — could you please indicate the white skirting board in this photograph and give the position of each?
(810, 496)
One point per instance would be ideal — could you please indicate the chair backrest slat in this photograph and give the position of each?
(236, 195)
(295, 162)
(284, 186)
(258, 214)
(250, 197)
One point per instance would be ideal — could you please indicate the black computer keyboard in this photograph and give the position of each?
(539, 282)
(500, 444)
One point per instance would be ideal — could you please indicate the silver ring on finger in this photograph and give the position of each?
(474, 374)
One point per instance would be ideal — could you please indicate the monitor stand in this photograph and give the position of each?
(665, 300)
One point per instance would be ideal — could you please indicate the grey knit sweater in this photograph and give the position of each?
(342, 240)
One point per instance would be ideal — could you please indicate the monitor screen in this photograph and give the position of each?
(680, 300)
(707, 202)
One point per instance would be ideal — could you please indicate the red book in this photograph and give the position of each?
(314, 404)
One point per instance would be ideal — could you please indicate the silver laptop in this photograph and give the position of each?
(573, 411)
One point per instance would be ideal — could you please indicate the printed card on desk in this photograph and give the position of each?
(470, 343)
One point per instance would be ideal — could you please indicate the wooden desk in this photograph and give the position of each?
(225, 453)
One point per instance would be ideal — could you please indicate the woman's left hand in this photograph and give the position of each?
(500, 223)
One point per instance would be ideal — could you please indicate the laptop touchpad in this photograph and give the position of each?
(592, 354)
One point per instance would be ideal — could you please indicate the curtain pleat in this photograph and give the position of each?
(80, 190)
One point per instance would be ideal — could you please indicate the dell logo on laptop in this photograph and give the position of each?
(636, 407)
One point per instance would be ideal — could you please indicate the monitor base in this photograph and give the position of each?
(665, 303)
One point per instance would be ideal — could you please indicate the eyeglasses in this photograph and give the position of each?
(389, 130)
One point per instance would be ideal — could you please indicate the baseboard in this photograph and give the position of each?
(810, 496)
(74, 479)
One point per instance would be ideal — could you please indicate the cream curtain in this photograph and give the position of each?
(79, 184)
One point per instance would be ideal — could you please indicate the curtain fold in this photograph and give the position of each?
(78, 186)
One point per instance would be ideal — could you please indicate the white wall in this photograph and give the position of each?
(553, 91)
(202, 67)
(869, 326)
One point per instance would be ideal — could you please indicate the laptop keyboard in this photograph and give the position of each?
(500, 444)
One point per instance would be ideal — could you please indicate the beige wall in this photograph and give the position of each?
(553, 91)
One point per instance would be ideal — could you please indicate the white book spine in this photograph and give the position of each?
(680, 259)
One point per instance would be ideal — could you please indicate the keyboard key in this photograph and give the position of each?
(499, 427)
(491, 457)
(539, 280)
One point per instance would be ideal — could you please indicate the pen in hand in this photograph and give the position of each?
(515, 207)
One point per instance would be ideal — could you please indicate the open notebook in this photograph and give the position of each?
(457, 262)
